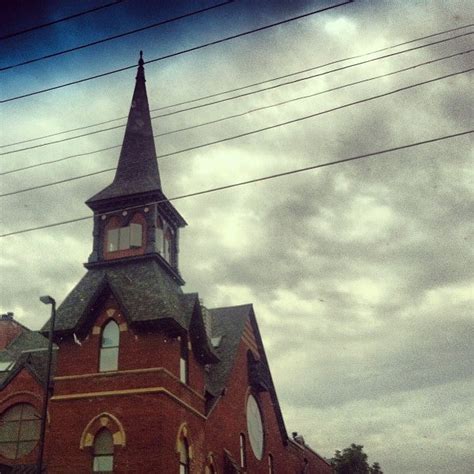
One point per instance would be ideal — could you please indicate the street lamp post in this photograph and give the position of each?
(44, 414)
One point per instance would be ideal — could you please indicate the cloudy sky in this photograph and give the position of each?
(360, 273)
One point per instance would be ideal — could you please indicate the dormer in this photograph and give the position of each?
(132, 216)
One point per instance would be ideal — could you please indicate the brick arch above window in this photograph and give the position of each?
(103, 420)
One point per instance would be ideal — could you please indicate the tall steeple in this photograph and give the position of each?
(132, 216)
(137, 170)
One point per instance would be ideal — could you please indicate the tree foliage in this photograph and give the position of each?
(353, 460)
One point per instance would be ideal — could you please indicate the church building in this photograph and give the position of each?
(146, 379)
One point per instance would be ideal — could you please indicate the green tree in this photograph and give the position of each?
(353, 460)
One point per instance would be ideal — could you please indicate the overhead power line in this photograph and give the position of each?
(245, 94)
(255, 180)
(243, 87)
(245, 134)
(178, 53)
(70, 17)
(114, 37)
(320, 66)
(242, 114)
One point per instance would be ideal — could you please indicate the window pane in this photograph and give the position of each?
(108, 359)
(103, 464)
(25, 447)
(30, 430)
(8, 450)
(14, 413)
(159, 240)
(124, 238)
(29, 413)
(113, 240)
(103, 443)
(183, 370)
(9, 431)
(111, 335)
(135, 235)
(19, 430)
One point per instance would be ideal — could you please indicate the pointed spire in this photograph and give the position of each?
(137, 170)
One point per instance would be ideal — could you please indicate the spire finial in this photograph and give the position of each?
(140, 61)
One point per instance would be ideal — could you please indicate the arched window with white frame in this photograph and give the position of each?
(109, 347)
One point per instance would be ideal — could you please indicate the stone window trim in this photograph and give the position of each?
(99, 422)
(211, 466)
(184, 435)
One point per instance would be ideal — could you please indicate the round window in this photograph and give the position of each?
(19, 431)
(255, 426)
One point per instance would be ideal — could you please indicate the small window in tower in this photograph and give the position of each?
(124, 238)
(113, 240)
(159, 236)
(169, 246)
(135, 235)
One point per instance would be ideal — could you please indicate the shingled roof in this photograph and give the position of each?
(228, 324)
(143, 290)
(16, 351)
(137, 170)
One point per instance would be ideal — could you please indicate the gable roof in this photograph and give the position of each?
(143, 290)
(34, 362)
(146, 294)
(229, 323)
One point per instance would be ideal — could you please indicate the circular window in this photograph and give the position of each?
(255, 426)
(19, 431)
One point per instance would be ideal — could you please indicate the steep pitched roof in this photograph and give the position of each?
(144, 291)
(146, 295)
(34, 362)
(137, 170)
(228, 324)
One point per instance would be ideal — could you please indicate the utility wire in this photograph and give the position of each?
(114, 37)
(70, 17)
(245, 134)
(241, 87)
(178, 53)
(256, 109)
(226, 99)
(252, 181)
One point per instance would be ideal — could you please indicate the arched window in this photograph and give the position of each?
(19, 430)
(103, 452)
(123, 238)
(243, 452)
(159, 236)
(109, 347)
(270, 464)
(184, 360)
(168, 253)
(183, 456)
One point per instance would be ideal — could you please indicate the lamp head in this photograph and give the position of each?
(47, 299)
